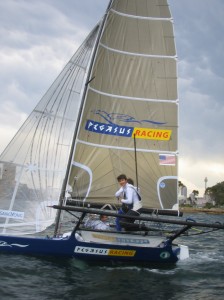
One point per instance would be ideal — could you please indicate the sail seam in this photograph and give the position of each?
(141, 17)
(138, 54)
(124, 148)
(132, 98)
(77, 65)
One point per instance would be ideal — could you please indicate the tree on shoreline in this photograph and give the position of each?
(216, 193)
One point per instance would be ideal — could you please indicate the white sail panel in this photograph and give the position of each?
(154, 37)
(124, 74)
(143, 8)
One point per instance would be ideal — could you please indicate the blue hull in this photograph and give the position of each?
(92, 252)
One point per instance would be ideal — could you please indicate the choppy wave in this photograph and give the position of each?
(198, 277)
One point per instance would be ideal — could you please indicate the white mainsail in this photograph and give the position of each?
(131, 96)
(34, 163)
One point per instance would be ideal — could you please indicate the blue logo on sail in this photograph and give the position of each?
(110, 129)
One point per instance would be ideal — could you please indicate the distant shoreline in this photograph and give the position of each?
(217, 211)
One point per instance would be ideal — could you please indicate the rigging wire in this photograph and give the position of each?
(136, 165)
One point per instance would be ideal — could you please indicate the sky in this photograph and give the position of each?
(37, 38)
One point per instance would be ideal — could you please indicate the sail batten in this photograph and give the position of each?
(141, 17)
(132, 98)
(138, 54)
(123, 148)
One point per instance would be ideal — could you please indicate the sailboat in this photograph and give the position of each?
(112, 110)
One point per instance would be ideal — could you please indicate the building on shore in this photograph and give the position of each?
(191, 200)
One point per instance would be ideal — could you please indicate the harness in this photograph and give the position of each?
(139, 197)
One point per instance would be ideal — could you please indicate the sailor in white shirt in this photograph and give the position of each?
(129, 195)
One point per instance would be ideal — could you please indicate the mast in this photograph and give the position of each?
(88, 80)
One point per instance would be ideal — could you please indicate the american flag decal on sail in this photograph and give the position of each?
(167, 159)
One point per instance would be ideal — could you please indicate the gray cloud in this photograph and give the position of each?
(199, 28)
(37, 38)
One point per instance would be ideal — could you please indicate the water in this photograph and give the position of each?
(199, 277)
